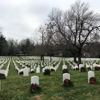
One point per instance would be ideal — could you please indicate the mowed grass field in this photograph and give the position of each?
(16, 87)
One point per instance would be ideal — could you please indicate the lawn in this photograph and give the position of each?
(16, 87)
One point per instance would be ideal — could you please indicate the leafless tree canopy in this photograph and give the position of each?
(77, 26)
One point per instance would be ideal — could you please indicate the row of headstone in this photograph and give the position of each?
(15, 65)
(66, 78)
(4, 73)
(7, 69)
(55, 68)
(96, 66)
(86, 65)
(3, 63)
(64, 66)
(24, 71)
(33, 68)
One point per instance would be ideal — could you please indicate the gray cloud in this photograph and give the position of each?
(19, 18)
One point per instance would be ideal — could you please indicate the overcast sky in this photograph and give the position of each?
(20, 18)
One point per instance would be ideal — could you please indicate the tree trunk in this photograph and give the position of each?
(50, 58)
(75, 58)
(79, 56)
(42, 58)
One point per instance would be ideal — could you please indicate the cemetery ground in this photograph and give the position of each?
(16, 87)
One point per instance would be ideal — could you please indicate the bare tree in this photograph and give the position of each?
(77, 26)
(83, 25)
(59, 32)
(42, 31)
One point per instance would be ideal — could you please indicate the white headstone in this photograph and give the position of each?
(90, 74)
(21, 70)
(63, 62)
(66, 76)
(47, 67)
(38, 69)
(43, 69)
(2, 71)
(35, 66)
(26, 71)
(80, 66)
(35, 80)
(32, 70)
(64, 67)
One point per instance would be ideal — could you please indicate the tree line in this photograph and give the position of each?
(28, 47)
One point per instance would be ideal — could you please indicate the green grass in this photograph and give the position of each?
(16, 87)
